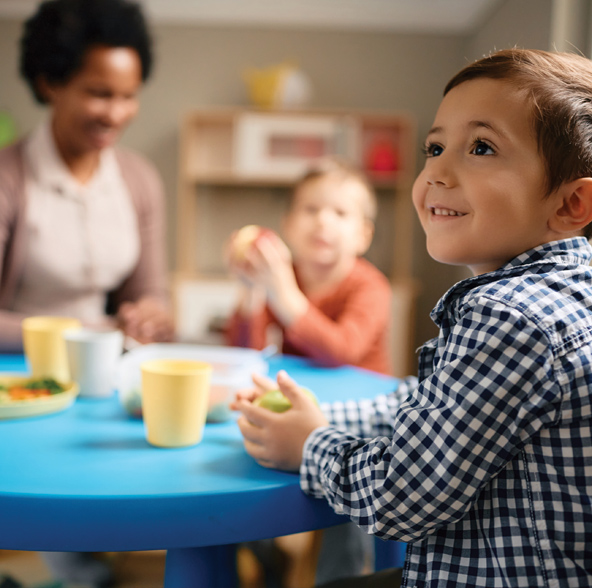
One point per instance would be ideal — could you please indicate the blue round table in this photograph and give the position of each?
(86, 479)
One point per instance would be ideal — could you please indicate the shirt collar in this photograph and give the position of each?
(49, 169)
(567, 252)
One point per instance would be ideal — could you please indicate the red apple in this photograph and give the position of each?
(245, 238)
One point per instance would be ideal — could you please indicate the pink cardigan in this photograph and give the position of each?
(149, 277)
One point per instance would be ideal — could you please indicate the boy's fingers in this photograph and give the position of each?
(258, 453)
(263, 382)
(289, 387)
(276, 250)
(255, 450)
(265, 463)
(260, 417)
(250, 432)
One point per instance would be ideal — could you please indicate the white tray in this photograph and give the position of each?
(232, 369)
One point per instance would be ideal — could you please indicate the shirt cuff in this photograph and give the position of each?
(318, 446)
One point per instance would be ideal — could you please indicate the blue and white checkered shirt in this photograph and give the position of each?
(483, 464)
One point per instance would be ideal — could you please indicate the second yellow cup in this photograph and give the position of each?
(45, 348)
(175, 401)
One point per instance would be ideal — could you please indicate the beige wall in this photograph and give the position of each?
(201, 66)
(522, 23)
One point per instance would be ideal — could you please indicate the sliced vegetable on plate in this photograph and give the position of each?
(21, 396)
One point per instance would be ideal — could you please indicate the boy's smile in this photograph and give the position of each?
(481, 195)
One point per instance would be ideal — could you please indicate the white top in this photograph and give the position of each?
(82, 240)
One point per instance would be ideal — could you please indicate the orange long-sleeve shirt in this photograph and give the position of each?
(348, 325)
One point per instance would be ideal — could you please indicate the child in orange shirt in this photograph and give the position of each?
(329, 303)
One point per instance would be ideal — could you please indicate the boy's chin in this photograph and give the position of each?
(447, 257)
(328, 260)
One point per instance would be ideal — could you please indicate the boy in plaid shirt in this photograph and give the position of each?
(483, 464)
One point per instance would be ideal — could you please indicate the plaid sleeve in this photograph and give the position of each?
(369, 417)
(492, 388)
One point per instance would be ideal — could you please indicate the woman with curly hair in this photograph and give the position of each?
(82, 221)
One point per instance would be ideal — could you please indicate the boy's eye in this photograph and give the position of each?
(432, 150)
(482, 148)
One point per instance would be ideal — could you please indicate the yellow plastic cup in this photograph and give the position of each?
(175, 401)
(45, 348)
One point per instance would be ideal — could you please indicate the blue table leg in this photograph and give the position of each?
(388, 554)
(201, 567)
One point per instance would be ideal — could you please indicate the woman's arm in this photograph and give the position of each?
(12, 206)
(142, 301)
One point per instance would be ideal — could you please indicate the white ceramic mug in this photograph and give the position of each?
(93, 356)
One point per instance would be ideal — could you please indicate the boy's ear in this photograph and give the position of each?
(575, 207)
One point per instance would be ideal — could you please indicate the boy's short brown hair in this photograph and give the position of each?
(333, 166)
(559, 87)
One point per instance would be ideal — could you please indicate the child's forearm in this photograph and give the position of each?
(370, 417)
(251, 301)
(288, 305)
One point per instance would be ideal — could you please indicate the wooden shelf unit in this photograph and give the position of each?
(207, 163)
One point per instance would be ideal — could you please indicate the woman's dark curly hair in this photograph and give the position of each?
(56, 38)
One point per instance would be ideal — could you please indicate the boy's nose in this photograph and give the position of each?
(439, 173)
(432, 181)
(324, 215)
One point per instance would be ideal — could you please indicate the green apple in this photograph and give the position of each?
(276, 401)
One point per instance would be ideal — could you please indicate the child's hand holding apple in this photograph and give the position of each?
(243, 253)
(244, 240)
(276, 439)
(262, 261)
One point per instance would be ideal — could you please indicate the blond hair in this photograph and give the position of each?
(344, 171)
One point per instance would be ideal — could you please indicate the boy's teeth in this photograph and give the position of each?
(446, 212)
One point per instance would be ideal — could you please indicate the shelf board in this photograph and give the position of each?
(230, 179)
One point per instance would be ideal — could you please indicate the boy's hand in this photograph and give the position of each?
(262, 385)
(236, 266)
(270, 265)
(276, 440)
(266, 270)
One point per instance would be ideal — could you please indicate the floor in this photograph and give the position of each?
(145, 569)
(141, 569)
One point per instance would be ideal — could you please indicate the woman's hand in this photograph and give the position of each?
(147, 320)
(276, 440)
